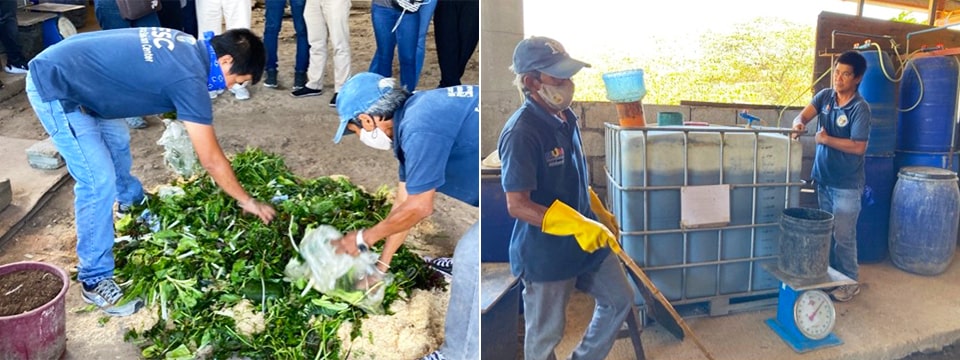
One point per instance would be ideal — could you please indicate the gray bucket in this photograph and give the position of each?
(805, 242)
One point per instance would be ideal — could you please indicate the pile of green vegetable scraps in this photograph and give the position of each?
(216, 275)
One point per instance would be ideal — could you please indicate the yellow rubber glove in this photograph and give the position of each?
(561, 219)
(603, 215)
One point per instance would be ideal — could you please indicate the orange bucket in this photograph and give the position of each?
(631, 114)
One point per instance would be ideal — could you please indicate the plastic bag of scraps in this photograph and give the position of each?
(178, 151)
(355, 280)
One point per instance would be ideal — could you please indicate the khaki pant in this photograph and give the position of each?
(328, 18)
(211, 15)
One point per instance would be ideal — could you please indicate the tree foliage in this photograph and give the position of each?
(765, 61)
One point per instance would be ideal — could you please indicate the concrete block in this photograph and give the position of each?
(593, 142)
(595, 114)
(6, 193)
(715, 116)
(44, 155)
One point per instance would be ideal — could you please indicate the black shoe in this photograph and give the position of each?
(271, 81)
(305, 91)
(20, 68)
(333, 100)
(299, 80)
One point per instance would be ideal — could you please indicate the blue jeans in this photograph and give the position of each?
(108, 16)
(271, 31)
(844, 204)
(545, 304)
(97, 153)
(404, 40)
(426, 13)
(462, 325)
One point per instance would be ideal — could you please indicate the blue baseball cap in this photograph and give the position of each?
(545, 55)
(356, 96)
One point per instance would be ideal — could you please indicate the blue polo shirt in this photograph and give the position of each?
(127, 72)
(832, 167)
(436, 140)
(543, 155)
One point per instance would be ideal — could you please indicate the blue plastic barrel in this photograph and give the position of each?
(497, 225)
(880, 93)
(923, 219)
(943, 160)
(873, 225)
(928, 103)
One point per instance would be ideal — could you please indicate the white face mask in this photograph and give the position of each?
(376, 139)
(558, 97)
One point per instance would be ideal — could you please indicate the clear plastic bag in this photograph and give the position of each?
(178, 151)
(355, 280)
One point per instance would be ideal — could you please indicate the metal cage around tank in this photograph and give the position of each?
(646, 169)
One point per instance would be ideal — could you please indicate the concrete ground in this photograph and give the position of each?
(896, 314)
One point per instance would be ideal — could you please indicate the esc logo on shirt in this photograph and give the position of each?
(554, 157)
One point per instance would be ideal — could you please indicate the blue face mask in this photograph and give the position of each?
(215, 79)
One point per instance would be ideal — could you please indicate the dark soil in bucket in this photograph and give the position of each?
(25, 290)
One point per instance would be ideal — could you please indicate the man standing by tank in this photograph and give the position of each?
(844, 128)
(545, 179)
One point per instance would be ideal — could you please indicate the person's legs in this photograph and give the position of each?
(170, 16)
(614, 300)
(10, 33)
(317, 35)
(189, 14)
(544, 306)
(273, 19)
(117, 141)
(210, 16)
(462, 325)
(425, 13)
(337, 13)
(844, 204)
(303, 43)
(445, 27)
(79, 140)
(468, 28)
(406, 35)
(383, 19)
(237, 14)
(108, 15)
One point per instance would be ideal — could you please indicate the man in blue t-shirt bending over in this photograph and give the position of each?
(434, 135)
(81, 90)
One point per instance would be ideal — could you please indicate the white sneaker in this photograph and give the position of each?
(240, 92)
(215, 93)
(15, 69)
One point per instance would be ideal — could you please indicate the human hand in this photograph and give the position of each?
(822, 137)
(561, 219)
(264, 211)
(800, 128)
(347, 244)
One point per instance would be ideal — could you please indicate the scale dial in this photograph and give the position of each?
(814, 314)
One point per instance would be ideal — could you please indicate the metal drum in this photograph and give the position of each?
(923, 220)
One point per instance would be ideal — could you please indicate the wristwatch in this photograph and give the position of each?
(361, 245)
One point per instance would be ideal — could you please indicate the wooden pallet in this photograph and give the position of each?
(719, 306)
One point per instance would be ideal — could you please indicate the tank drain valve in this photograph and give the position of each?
(749, 118)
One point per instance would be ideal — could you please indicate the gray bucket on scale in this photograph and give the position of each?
(805, 242)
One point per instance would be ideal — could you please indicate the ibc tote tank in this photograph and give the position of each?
(647, 170)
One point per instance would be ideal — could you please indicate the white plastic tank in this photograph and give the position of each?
(647, 169)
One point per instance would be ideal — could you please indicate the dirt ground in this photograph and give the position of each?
(300, 129)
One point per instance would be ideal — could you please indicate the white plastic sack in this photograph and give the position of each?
(178, 151)
(352, 279)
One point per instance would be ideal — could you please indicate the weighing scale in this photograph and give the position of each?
(805, 314)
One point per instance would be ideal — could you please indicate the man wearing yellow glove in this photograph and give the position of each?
(557, 243)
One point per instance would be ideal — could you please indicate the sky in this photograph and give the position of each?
(594, 27)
